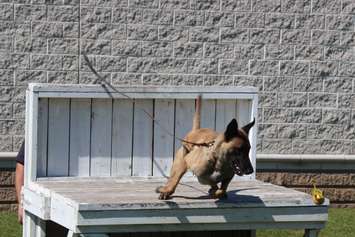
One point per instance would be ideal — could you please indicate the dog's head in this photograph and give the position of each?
(235, 146)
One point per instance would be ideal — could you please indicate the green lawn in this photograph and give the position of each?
(340, 224)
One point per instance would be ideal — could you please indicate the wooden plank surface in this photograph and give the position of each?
(101, 119)
(80, 114)
(252, 204)
(142, 138)
(130, 194)
(58, 137)
(163, 141)
(122, 135)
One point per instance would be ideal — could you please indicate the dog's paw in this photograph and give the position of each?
(220, 194)
(164, 193)
(212, 191)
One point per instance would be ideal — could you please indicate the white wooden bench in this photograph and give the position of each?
(94, 159)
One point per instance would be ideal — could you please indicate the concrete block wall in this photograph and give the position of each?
(299, 53)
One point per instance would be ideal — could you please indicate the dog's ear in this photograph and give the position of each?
(247, 127)
(232, 130)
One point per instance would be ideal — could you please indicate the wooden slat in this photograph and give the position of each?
(142, 138)
(122, 134)
(225, 112)
(80, 137)
(243, 112)
(244, 109)
(163, 142)
(195, 90)
(184, 113)
(101, 119)
(42, 137)
(208, 114)
(58, 137)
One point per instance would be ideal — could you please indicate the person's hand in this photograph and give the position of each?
(20, 214)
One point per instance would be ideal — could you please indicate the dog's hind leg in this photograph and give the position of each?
(178, 169)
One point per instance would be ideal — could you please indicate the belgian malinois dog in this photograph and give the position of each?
(216, 161)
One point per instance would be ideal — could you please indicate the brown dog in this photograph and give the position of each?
(227, 154)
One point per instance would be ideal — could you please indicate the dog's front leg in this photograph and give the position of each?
(178, 169)
(222, 192)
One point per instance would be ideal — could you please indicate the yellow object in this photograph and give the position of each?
(317, 194)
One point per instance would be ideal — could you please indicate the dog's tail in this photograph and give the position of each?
(197, 116)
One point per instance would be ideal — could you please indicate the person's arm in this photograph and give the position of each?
(19, 180)
(18, 185)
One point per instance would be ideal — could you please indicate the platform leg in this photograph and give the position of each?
(33, 226)
(72, 234)
(40, 228)
(252, 233)
(311, 233)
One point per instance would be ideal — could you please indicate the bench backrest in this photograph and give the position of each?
(95, 131)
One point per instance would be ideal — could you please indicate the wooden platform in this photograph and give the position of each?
(131, 205)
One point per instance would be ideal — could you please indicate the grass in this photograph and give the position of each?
(340, 224)
(9, 227)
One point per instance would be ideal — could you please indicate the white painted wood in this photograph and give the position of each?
(31, 147)
(163, 141)
(36, 202)
(253, 133)
(311, 233)
(29, 225)
(122, 135)
(63, 211)
(72, 234)
(244, 117)
(225, 112)
(203, 216)
(124, 205)
(243, 112)
(80, 88)
(40, 227)
(184, 113)
(28, 109)
(58, 137)
(79, 157)
(208, 114)
(142, 138)
(137, 193)
(196, 227)
(42, 137)
(137, 95)
(30, 172)
(101, 133)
